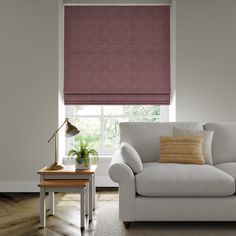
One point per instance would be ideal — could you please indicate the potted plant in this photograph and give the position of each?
(85, 155)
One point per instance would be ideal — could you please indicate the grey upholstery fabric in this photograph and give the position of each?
(121, 173)
(209, 181)
(168, 179)
(229, 168)
(223, 142)
(206, 147)
(185, 209)
(131, 157)
(144, 136)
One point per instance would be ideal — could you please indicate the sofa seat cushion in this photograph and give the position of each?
(229, 168)
(170, 179)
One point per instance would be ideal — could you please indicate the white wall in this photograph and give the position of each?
(28, 89)
(205, 77)
(205, 60)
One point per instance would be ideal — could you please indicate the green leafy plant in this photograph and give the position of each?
(84, 153)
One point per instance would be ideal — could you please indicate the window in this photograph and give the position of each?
(100, 124)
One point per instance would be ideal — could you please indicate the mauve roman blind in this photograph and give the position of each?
(117, 55)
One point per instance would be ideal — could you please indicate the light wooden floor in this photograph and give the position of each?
(19, 216)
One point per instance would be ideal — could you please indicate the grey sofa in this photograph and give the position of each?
(176, 192)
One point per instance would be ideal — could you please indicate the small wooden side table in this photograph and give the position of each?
(70, 173)
(57, 185)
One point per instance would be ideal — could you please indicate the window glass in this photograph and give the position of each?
(100, 124)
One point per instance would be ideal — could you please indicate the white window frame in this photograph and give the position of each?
(164, 117)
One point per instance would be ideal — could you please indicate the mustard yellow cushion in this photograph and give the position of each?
(181, 149)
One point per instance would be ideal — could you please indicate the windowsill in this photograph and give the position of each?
(71, 160)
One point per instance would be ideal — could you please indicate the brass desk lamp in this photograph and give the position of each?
(71, 131)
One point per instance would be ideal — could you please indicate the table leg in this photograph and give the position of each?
(94, 192)
(86, 200)
(42, 208)
(82, 208)
(51, 203)
(90, 197)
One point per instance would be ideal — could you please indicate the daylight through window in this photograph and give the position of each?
(100, 124)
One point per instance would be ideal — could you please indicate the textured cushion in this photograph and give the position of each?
(168, 179)
(144, 136)
(206, 146)
(229, 168)
(131, 157)
(223, 142)
(181, 149)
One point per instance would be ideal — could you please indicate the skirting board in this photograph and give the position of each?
(105, 181)
(32, 186)
(18, 186)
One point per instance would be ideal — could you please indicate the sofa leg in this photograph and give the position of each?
(127, 224)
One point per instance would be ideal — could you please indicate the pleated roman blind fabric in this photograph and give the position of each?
(117, 55)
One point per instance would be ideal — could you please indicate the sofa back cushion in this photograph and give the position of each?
(223, 142)
(206, 146)
(144, 136)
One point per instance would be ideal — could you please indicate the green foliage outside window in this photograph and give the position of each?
(99, 125)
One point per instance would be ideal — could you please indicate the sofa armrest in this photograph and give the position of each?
(123, 174)
(119, 171)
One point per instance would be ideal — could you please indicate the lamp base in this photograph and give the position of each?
(55, 166)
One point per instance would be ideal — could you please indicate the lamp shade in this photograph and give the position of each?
(71, 130)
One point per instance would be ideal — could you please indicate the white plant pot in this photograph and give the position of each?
(81, 166)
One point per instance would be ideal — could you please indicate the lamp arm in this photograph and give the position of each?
(55, 132)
